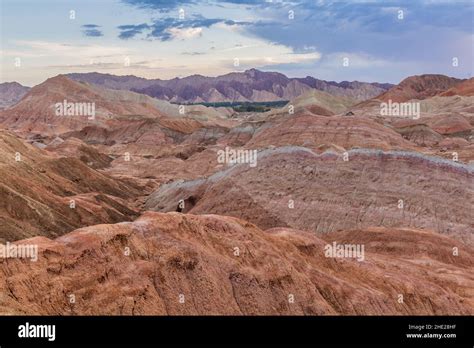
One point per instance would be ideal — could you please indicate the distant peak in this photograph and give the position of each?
(252, 72)
(58, 78)
(12, 84)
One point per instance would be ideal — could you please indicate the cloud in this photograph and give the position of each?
(283, 58)
(66, 50)
(130, 31)
(103, 66)
(160, 5)
(232, 26)
(169, 5)
(195, 53)
(372, 32)
(352, 60)
(91, 30)
(238, 47)
(168, 28)
(185, 33)
(90, 26)
(92, 33)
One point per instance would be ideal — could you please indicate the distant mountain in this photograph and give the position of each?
(251, 85)
(11, 93)
(419, 87)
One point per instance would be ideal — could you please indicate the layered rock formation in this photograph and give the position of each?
(175, 264)
(326, 171)
(445, 111)
(113, 109)
(465, 88)
(313, 131)
(419, 87)
(294, 187)
(44, 194)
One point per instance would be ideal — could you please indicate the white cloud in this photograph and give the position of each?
(55, 49)
(184, 33)
(356, 60)
(284, 58)
(241, 47)
(236, 28)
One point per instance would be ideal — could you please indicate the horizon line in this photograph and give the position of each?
(232, 72)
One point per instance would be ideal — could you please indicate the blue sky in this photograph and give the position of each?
(382, 41)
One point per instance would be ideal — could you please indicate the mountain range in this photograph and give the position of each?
(249, 86)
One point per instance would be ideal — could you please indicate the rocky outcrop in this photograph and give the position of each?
(439, 117)
(321, 103)
(76, 148)
(313, 131)
(294, 187)
(419, 87)
(465, 88)
(177, 264)
(45, 194)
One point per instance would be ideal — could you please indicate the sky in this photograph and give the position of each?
(373, 41)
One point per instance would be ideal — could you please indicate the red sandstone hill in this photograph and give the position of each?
(419, 87)
(313, 132)
(294, 187)
(75, 148)
(36, 193)
(177, 264)
(449, 114)
(465, 88)
(36, 111)
(121, 116)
